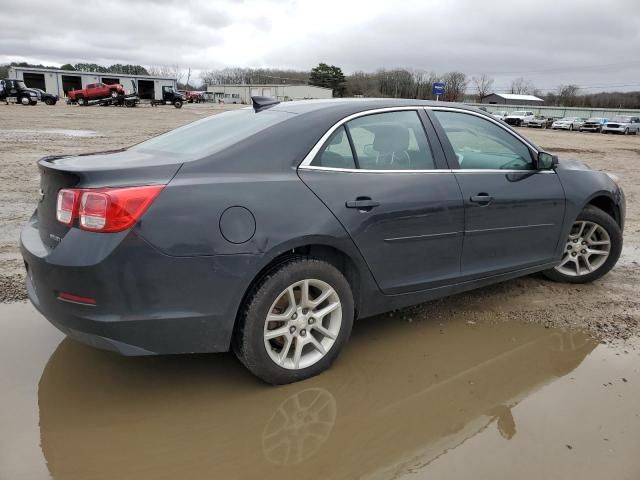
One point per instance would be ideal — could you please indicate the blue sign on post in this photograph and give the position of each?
(438, 89)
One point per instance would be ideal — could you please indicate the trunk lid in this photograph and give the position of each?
(118, 168)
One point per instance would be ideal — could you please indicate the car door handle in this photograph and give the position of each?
(482, 198)
(362, 203)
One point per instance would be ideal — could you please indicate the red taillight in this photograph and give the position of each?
(108, 209)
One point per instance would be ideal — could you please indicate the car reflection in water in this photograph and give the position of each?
(402, 395)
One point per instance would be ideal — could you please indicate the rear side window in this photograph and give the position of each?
(336, 152)
(381, 141)
(215, 133)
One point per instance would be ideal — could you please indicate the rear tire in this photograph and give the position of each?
(306, 346)
(576, 269)
(81, 101)
(177, 104)
(50, 101)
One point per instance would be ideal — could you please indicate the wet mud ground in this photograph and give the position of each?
(525, 379)
(419, 399)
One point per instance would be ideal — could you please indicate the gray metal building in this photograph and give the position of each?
(511, 99)
(61, 81)
(243, 93)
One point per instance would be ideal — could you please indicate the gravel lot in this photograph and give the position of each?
(609, 308)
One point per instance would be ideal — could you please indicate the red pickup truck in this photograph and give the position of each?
(95, 91)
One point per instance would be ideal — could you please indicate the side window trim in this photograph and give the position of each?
(354, 152)
(452, 158)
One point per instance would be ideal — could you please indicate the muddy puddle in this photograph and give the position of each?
(419, 399)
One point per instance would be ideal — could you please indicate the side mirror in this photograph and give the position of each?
(546, 161)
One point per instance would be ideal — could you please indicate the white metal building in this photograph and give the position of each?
(511, 99)
(61, 81)
(282, 92)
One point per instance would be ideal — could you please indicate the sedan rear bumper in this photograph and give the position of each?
(146, 302)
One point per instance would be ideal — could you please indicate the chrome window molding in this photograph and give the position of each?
(437, 170)
(306, 162)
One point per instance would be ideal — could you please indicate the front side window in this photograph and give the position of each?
(481, 144)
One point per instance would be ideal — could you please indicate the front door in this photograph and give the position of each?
(513, 212)
(379, 176)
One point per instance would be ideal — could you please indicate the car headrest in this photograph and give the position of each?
(390, 138)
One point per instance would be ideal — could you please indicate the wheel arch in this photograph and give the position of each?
(340, 258)
(605, 202)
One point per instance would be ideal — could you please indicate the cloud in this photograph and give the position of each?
(547, 41)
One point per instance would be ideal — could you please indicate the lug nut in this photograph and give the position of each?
(292, 329)
(294, 316)
(311, 321)
(584, 243)
(573, 254)
(583, 251)
(303, 332)
(575, 240)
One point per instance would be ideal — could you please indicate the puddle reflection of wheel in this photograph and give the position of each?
(299, 427)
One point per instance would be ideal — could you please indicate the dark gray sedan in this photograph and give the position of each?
(270, 229)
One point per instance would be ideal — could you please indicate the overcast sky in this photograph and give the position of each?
(587, 42)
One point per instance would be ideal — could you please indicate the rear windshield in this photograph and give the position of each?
(213, 134)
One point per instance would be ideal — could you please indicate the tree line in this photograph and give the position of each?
(395, 83)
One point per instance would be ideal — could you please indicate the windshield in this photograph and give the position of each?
(522, 114)
(622, 119)
(213, 134)
(594, 119)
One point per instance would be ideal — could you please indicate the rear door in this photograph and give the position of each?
(389, 187)
(513, 212)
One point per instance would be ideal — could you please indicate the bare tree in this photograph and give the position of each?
(567, 95)
(482, 84)
(521, 86)
(455, 84)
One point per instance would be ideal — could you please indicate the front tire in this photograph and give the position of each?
(295, 322)
(592, 249)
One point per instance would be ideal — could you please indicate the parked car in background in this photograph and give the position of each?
(47, 98)
(500, 114)
(95, 91)
(568, 123)
(622, 124)
(169, 246)
(519, 117)
(593, 124)
(17, 92)
(540, 121)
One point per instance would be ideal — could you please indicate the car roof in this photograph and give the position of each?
(355, 105)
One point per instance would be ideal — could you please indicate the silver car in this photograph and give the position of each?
(622, 124)
(568, 123)
(500, 114)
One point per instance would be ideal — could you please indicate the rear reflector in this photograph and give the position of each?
(105, 209)
(66, 206)
(67, 297)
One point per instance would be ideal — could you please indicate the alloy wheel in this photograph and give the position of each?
(586, 250)
(303, 324)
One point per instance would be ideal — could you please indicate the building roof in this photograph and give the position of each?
(517, 96)
(93, 74)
